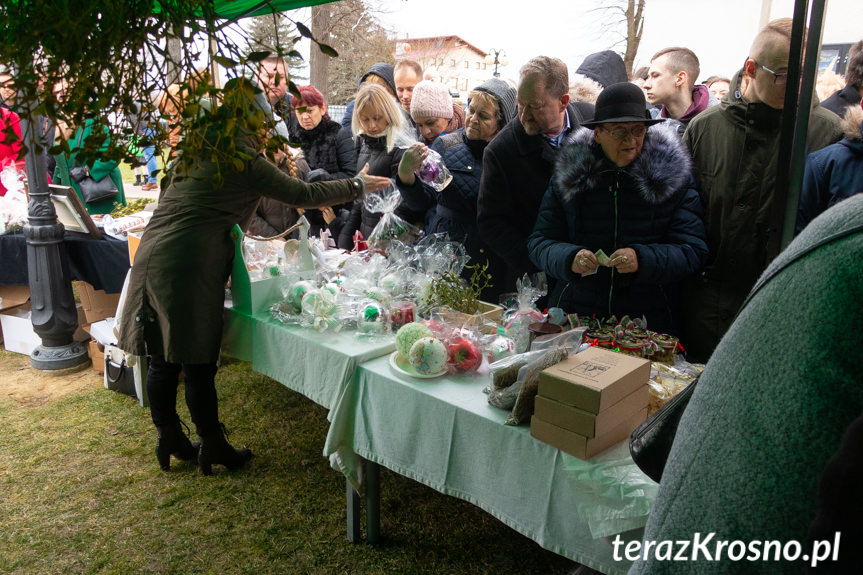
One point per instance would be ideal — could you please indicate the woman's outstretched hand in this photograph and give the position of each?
(373, 183)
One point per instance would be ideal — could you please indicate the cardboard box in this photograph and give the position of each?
(97, 304)
(18, 333)
(594, 379)
(134, 241)
(97, 356)
(579, 445)
(13, 296)
(591, 424)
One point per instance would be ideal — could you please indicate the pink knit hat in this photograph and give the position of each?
(431, 100)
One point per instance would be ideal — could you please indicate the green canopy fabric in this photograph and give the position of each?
(234, 9)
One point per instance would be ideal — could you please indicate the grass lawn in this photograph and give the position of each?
(82, 493)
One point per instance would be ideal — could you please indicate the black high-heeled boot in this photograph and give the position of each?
(172, 441)
(215, 450)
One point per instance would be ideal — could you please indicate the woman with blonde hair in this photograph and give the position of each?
(378, 126)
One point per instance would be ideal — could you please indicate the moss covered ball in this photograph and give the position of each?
(407, 335)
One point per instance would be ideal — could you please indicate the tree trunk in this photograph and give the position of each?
(318, 61)
(174, 72)
(634, 29)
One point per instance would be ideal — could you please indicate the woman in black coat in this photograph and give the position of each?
(378, 125)
(626, 190)
(329, 150)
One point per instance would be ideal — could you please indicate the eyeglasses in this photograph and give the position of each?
(779, 78)
(622, 134)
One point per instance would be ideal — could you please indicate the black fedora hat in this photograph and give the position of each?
(621, 102)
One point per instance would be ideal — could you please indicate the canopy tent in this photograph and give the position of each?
(235, 9)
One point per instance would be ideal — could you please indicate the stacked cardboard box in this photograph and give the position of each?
(591, 401)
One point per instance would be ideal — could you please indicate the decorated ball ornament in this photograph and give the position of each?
(407, 335)
(372, 318)
(428, 171)
(319, 302)
(297, 291)
(464, 354)
(500, 347)
(428, 356)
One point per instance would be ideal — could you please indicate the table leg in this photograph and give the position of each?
(353, 501)
(373, 501)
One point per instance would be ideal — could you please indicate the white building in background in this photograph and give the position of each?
(450, 60)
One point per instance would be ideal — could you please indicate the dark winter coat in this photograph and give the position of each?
(840, 101)
(373, 151)
(833, 173)
(650, 206)
(176, 294)
(273, 217)
(329, 150)
(735, 149)
(454, 207)
(516, 172)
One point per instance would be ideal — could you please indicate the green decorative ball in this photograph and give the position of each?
(407, 335)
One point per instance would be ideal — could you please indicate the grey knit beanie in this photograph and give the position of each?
(505, 96)
(431, 100)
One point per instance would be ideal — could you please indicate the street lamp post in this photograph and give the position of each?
(496, 58)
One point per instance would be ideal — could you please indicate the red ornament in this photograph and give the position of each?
(464, 354)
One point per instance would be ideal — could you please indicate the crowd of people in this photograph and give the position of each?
(650, 196)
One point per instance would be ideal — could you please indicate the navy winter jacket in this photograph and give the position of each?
(650, 206)
(834, 173)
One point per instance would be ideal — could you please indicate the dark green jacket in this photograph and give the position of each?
(771, 408)
(99, 170)
(176, 292)
(735, 148)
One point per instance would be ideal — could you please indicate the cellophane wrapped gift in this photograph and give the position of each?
(434, 172)
(515, 379)
(391, 227)
(13, 206)
(518, 319)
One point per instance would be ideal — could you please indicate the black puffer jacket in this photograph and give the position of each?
(650, 206)
(373, 151)
(330, 153)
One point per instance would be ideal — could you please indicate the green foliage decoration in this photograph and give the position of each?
(114, 57)
(451, 290)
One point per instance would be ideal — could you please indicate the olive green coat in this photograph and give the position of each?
(735, 150)
(99, 170)
(176, 291)
(770, 410)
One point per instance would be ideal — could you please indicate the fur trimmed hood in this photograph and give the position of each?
(852, 123)
(662, 168)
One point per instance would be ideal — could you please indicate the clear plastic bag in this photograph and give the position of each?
(518, 320)
(391, 227)
(528, 383)
(434, 172)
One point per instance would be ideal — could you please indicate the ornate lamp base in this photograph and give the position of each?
(63, 357)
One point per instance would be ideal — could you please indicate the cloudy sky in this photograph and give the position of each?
(719, 31)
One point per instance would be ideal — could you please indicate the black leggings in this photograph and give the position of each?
(162, 383)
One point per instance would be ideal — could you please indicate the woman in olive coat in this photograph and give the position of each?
(173, 311)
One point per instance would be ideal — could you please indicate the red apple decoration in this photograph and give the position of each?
(464, 354)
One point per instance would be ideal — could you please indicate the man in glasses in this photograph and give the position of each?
(734, 148)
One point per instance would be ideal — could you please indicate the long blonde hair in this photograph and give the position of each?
(376, 97)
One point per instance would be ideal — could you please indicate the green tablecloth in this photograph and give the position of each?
(318, 365)
(442, 433)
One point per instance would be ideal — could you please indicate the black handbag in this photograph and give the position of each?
(93, 190)
(650, 443)
(119, 377)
